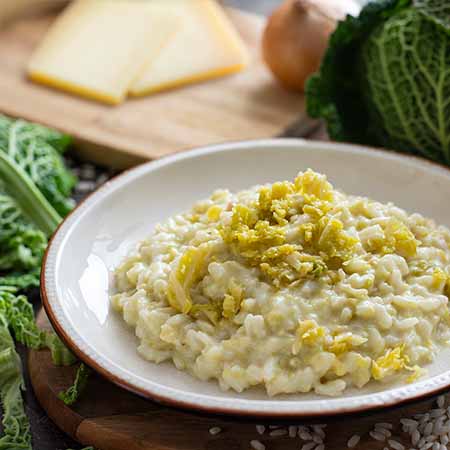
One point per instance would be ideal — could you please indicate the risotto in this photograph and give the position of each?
(293, 286)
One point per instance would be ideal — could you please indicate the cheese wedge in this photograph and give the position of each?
(97, 47)
(206, 46)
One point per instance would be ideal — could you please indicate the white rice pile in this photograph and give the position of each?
(427, 431)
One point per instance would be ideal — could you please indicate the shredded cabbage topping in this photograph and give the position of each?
(257, 232)
(392, 361)
(190, 269)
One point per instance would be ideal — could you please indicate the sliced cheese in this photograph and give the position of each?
(206, 46)
(96, 48)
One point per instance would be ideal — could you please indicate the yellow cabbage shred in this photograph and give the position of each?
(213, 213)
(344, 342)
(232, 301)
(190, 269)
(439, 277)
(314, 186)
(212, 311)
(308, 333)
(394, 360)
(399, 239)
(257, 232)
(333, 241)
(275, 202)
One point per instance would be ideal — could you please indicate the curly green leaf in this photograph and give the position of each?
(71, 395)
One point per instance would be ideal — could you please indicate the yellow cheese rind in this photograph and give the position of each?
(206, 46)
(96, 48)
(43, 78)
(188, 80)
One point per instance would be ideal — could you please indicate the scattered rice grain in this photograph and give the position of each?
(292, 431)
(438, 425)
(384, 431)
(215, 430)
(278, 432)
(309, 446)
(260, 429)
(317, 439)
(440, 401)
(408, 422)
(421, 442)
(257, 445)
(389, 426)
(426, 446)
(377, 436)
(305, 436)
(353, 441)
(415, 437)
(319, 431)
(396, 445)
(438, 412)
(428, 429)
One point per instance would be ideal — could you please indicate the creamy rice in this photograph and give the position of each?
(293, 286)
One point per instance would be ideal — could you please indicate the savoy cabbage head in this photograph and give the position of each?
(385, 78)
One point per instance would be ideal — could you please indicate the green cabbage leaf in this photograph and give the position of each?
(385, 78)
(36, 150)
(34, 193)
(16, 428)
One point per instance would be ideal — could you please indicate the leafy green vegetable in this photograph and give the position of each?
(22, 245)
(71, 395)
(19, 314)
(61, 355)
(16, 429)
(384, 79)
(25, 198)
(26, 217)
(22, 280)
(36, 150)
(33, 182)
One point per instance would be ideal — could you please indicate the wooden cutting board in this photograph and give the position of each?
(110, 418)
(243, 106)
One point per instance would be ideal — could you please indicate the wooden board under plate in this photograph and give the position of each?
(243, 106)
(110, 418)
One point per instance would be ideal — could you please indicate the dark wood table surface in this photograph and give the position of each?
(46, 436)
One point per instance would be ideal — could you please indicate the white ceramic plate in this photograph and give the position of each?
(100, 232)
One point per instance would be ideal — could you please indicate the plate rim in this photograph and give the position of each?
(383, 399)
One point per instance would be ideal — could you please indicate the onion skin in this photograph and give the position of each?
(296, 37)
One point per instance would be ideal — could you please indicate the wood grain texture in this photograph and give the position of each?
(110, 418)
(243, 106)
